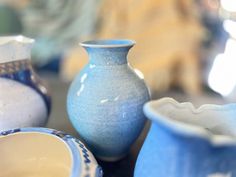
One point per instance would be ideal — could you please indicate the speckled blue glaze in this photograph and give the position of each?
(106, 98)
(202, 145)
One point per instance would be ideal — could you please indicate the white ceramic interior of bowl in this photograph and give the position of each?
(28, 154)
(216, 121)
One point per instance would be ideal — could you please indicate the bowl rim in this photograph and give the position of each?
(188, 130)
(81, 157)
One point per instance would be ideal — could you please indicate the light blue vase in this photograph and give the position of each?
(105, 100)
(188, 142)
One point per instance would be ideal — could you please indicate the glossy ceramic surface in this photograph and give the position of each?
(185, 141)
(44, 152)
(24, 100)
(105, 100)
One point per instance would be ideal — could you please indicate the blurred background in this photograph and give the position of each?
(186, 49)
(185, 45)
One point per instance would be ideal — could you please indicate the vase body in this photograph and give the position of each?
(45, 152)
(24, 100)
(105, 100)
(187, 142)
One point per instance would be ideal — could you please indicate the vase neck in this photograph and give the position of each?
(107, 56)
(108, 52)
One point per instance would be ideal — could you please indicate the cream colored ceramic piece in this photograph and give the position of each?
(17, 106)
(24, 100)
(41, 152)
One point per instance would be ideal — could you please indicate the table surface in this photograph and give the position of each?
(125, 167)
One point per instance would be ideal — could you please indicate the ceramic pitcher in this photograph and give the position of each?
(105, 100)
(185, 141)
(24, 100)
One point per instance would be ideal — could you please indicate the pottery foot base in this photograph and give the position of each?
(111, 159)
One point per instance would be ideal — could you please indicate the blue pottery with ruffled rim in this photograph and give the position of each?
(185, 141)
(43, 152)
(105, 100)
(24, 99)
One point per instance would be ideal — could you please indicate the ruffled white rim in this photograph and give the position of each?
(151, 111)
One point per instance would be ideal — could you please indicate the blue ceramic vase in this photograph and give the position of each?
(188, 142)
(105, 100)
(24, 99)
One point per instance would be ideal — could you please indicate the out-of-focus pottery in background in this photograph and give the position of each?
(24, 100)
(185, 141)
(168, 54)
(105, 100)
(43, 152)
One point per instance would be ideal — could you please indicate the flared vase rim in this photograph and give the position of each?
(108, 43)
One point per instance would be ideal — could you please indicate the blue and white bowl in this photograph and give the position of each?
(42, 152)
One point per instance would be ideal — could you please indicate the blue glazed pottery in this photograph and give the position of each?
(185, 141)
(43, 152)
(24, 100)
(105, 100)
